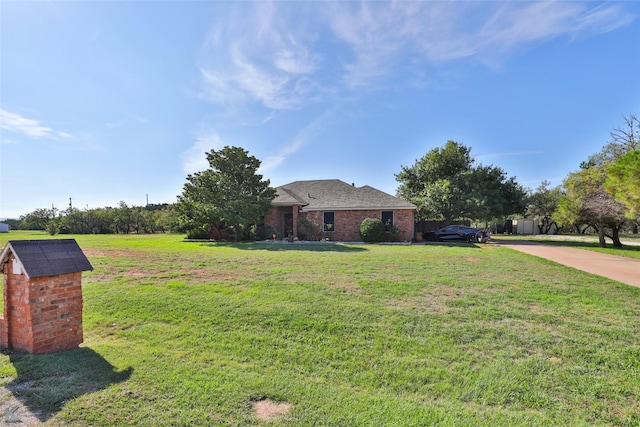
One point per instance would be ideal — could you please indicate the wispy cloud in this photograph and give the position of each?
(194, 159)
(514, 25)
(257, 55)
(308, 133)
(285, 55)
(489, 156)
(123, 122)
(18, 124)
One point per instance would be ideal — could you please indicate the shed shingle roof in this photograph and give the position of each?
(333, 194)
(40, 258)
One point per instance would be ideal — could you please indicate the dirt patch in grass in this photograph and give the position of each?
(267, 409)
(432, 299)
(204, 275)
(349, 288)
(112, 253)
(136, 272)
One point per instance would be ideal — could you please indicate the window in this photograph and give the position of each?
(387, 220)
(328, 223)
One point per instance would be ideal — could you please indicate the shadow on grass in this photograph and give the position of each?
(304, 246)
(46, 382)
(458, 244)
(294, 246)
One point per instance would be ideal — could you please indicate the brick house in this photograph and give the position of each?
(42, 295)
(335, 210)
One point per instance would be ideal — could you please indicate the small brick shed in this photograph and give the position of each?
(42, 295)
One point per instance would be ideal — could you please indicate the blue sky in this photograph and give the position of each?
(114, 101)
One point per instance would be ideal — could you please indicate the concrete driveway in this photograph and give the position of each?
(618, 268)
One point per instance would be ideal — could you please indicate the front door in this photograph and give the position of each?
(288, 225)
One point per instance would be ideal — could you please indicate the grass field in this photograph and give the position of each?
(182, 333)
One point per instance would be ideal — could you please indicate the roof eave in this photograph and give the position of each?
(288, 204)
(361, 208)
(4, 258)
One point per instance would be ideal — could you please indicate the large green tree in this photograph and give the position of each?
(446, 185)
(623, 182)
(230, 193)
(542, 203)
(589, 193)
(432, 182)
(586, 202)
(487, 193)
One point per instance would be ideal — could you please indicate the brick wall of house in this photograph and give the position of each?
(42, 315)
(405, 220)
(347, 223)
(275, 219)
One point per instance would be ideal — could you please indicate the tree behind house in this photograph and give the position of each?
(446, 185)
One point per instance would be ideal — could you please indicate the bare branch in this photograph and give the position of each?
(628, 136)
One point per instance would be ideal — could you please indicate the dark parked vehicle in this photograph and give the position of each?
(458, 233)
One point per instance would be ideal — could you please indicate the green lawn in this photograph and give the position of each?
(181, 333)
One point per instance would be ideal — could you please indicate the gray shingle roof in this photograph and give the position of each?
(41, 258)
(333, 194)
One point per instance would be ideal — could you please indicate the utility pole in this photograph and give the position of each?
(70, 205)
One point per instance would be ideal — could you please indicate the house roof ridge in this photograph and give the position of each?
(327, 194)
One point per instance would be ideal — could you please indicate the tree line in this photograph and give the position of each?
(122, 219)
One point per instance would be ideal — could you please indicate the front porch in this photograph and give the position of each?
(284, 221)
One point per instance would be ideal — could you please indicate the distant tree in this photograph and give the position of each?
(74, 222)
(123, 218)
(169, 220)
(623, 182)
(514, 198)
(229, 192)
(542, 203)
(52, 227)
(101, 221)
(38, 219)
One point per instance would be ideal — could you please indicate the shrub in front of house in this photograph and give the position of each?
(372, 230)
(306, 229)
